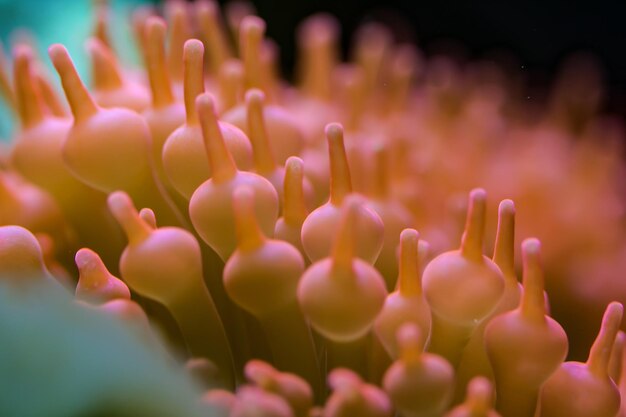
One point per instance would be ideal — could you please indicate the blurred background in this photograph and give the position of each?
(531, 38)
(534, 36)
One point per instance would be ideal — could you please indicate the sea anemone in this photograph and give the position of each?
(207, 238)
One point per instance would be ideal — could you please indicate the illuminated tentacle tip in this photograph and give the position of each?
(193, 50)
(409, 238)
(613, 318)
(59, 56)
(255, 98)
(342, 378)
(205, 105)
(22, 56)
(334, 133)
(409, 275)
(477, 196)
(95, 282)
(256, 368)
(319, 29)
(252, 26)
(471, 243)
(294, 166)
(479, 394)
(504, 251)
(80, 100)
(123, 210)
(617, 357)
(531, 248)
(220, 401)
(86, 259)
(600, 353)
(506, 208)
(156, 27)
(148, 216)
(120, 204)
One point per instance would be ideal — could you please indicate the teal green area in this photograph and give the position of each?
(62, 359)
(69, 22)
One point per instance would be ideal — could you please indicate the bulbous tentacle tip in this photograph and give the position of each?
(479, 395)
(205, 104)
(321, 27)
(105, 71)
(340, 178)
(22, 55)
(57, 52)
(60, 58)
(193, 76)
(25, 93)
(256, 370)
(504, 250)
(343, 378)
(472, 240)
(294, 204)
(264, 160)
(295, 166)
(206, 6)
(86, 259)
(123, 210)
(478, 195)
(613, 314)
(409, 236)
(506, 207)
(221, 161)
(176, 10)
(334, 131)
(255, 97)
(95, 282)
(532, 302)
(193, 48)
(148, 216)
(252, 26)
(424, 250)
(531, 247)
(409, 263)
(119, 203)
(156, 27)
(600, 352)
(80, 100)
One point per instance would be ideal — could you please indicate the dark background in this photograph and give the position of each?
(540, 35)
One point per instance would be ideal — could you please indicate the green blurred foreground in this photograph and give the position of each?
(61, 359)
